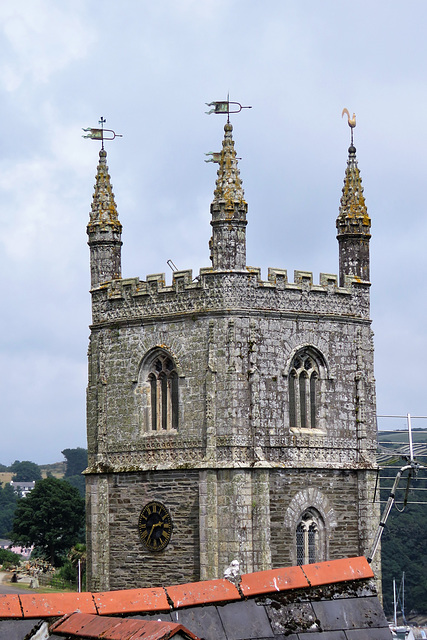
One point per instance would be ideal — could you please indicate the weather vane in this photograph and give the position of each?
(223, 106)
(351, 122)
(99, 134)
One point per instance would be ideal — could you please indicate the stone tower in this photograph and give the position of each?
(228, 417)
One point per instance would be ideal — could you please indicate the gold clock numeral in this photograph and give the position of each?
(155, 526)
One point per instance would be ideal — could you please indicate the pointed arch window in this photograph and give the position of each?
(310, 538)
(304, 391)
(163, 381)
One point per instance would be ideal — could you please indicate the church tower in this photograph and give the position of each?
(229, 418)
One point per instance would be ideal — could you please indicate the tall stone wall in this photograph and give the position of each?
(236, 475)
(129, 562)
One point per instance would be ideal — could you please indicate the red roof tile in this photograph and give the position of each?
(82, 625)
(205, 592)
(197, 593)
(131, 601)
(273, 580)
(10, 606)
(46, 605)
(338, 571)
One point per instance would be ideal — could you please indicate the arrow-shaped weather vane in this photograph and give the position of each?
(99, 134)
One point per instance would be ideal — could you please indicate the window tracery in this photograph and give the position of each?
(162, 378)
(309, 538)
(304, 390)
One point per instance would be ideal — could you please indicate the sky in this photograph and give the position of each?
(149, 68)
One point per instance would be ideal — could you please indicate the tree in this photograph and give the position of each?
(51, 517)
(76, 461)
(8, 502)
(9, 559)
(78, 482)
(25, 471)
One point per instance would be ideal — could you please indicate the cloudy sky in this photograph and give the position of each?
(148, 68)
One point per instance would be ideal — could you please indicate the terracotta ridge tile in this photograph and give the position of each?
(203, 592)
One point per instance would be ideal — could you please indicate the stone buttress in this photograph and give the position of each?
(242, 407)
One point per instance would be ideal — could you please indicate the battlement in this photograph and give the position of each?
(212, 290)
(183, 280)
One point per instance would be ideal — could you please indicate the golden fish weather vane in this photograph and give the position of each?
(99, 134)
(351, 122)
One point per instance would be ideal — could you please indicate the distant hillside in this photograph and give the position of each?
(57, 469)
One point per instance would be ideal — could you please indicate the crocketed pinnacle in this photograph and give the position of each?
(228, 184)
(104, 210)
(353, 215)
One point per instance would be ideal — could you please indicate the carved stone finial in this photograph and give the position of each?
(104, 210)
(353, 224)
(228, 210)
(104, 228)
(228, 184)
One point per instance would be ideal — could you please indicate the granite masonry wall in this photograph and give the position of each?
(236, 474)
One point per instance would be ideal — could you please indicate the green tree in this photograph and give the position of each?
(76, 461)
(25, 471)
(78, 482)
(51, 517)
(9, 559)
(8, 502)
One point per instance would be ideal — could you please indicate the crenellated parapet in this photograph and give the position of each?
(125, 299)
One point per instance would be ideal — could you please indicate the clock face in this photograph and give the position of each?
(155, 526)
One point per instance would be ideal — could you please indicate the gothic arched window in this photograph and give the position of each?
(163, 381)
(304, 390)
(309, 538)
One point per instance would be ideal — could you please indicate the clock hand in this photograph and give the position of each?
(156, 524)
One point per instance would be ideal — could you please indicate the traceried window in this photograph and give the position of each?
(304, 391)
(308, 538)
(163, 381)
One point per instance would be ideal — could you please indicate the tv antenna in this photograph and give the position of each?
(412, 467)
